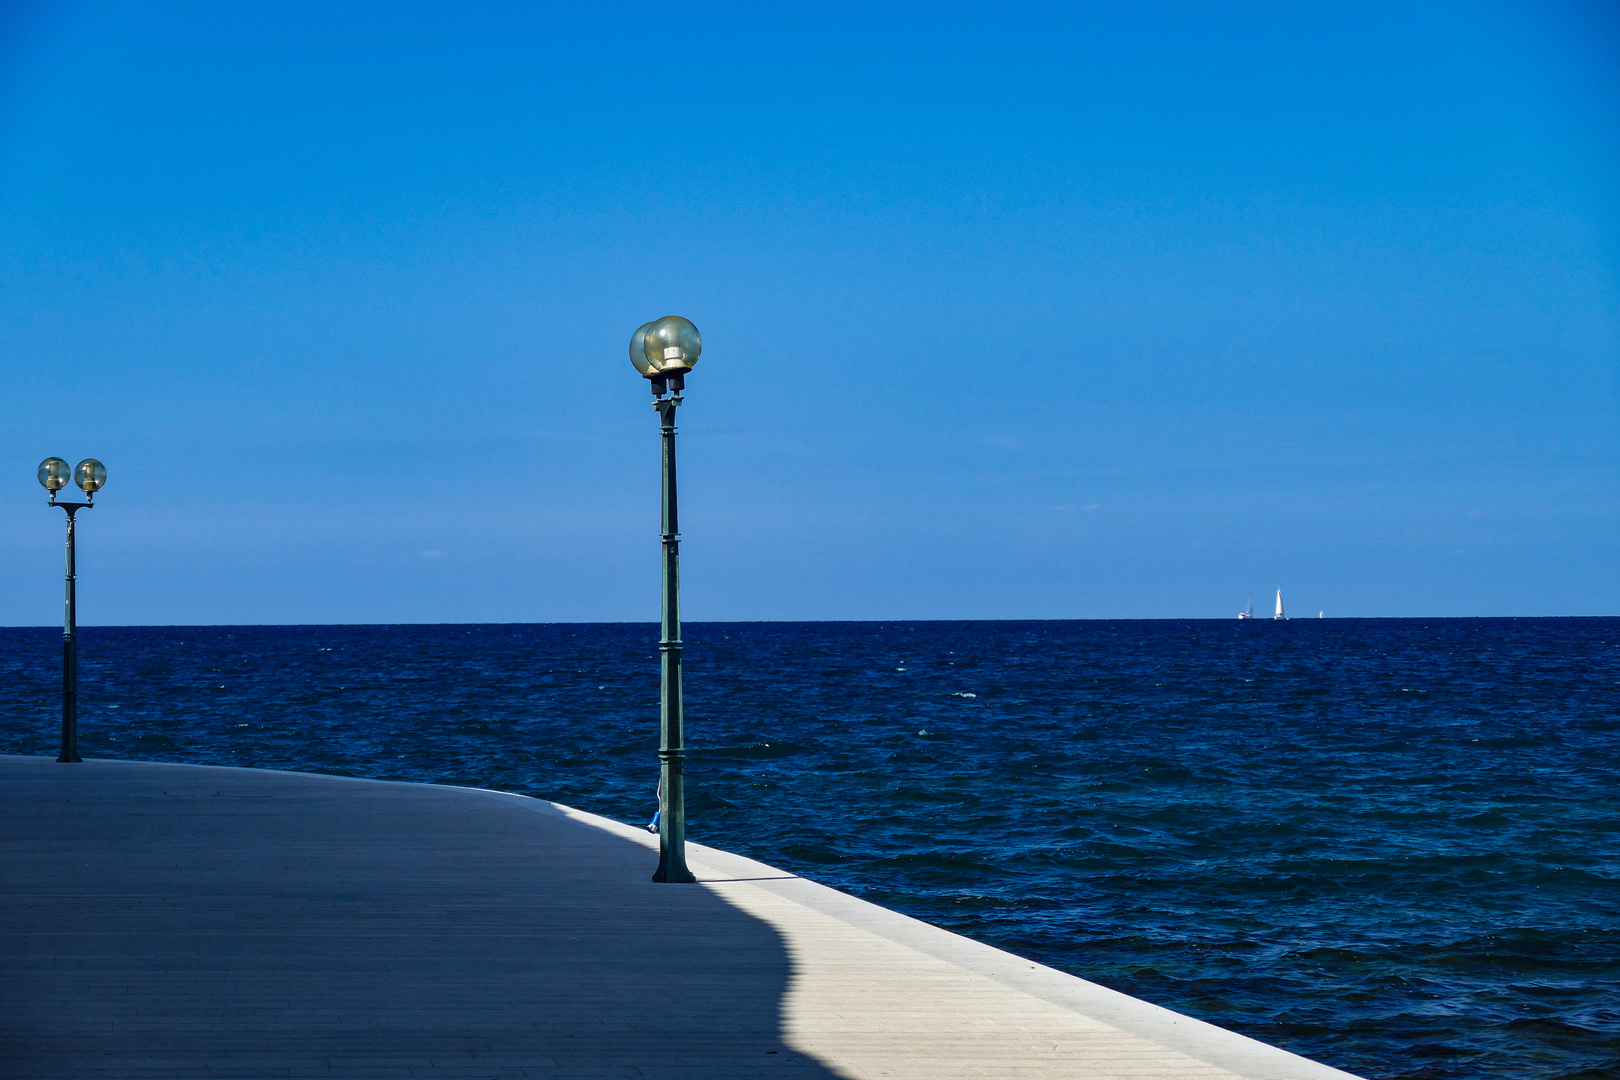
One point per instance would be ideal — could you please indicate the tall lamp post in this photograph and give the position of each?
(91, 476)
(664, 351)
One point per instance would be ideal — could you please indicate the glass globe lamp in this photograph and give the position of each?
(671, 346)
(90, 474)
(638, 354)
(54, 474)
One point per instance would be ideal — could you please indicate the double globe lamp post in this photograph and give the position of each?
(91, 476)
(664, 351)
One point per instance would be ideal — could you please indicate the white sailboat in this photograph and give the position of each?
(1248, 612)
(1279, 614)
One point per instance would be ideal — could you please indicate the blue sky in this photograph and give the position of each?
(1010, 311)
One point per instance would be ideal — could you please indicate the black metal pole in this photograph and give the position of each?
(671, 744)
(70, 648)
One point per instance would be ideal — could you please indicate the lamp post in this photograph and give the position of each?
(91, 476)
(664, 351)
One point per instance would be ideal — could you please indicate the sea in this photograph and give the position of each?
(1389, 844)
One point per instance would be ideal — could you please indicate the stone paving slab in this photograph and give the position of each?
(231, 924)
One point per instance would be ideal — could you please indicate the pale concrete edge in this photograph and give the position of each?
(1206, 1042)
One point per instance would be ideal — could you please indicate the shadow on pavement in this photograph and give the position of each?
(187, 921)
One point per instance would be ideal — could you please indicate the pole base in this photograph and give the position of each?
(65, 760)
(682, 876)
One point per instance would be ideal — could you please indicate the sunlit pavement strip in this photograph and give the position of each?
(183, 921)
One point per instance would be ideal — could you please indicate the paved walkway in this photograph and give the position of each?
(181, 921)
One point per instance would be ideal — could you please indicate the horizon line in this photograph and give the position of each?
(766, 622)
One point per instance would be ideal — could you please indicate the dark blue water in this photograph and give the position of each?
(1393, 845)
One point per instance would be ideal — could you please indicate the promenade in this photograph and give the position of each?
(182, 921)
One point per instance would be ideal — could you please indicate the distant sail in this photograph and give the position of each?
(1248, 612)
(1279, 614)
